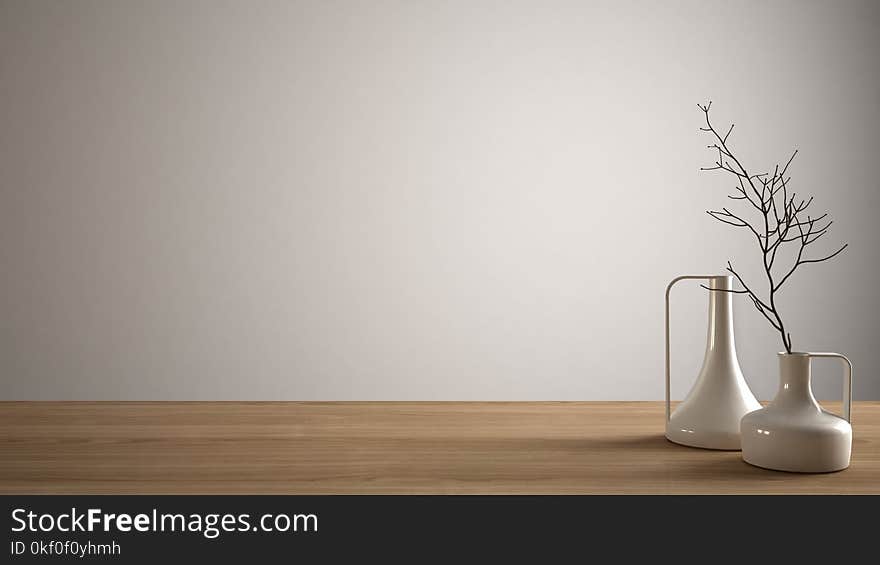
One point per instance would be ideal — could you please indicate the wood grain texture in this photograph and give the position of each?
(385, 447)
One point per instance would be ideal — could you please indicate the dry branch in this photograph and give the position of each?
(782, 221)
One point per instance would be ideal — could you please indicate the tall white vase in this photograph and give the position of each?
(709, 417)
(794, 433)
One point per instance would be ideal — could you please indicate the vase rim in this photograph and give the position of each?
(793, 354)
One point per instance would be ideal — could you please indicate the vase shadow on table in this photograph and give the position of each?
(695, 464)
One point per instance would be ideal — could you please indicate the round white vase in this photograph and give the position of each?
(793, 433)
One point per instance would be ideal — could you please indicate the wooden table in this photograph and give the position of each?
(385, 447)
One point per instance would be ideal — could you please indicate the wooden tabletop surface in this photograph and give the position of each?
(385, 447)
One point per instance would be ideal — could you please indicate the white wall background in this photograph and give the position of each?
(415, 199)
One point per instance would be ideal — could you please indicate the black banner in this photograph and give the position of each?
(412, 529)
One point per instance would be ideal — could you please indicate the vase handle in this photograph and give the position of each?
(847, 381)
(668, 290)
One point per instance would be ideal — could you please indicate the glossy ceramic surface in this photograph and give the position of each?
(793, 433)
(709, 417)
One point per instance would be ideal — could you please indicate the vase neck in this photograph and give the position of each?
(795, 381)
(720, 341)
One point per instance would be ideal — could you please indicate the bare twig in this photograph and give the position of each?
(780, 221)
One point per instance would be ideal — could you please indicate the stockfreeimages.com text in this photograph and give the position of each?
(209, 525)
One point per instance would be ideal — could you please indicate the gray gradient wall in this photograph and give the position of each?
(415, 200)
